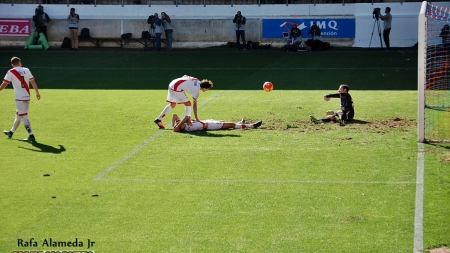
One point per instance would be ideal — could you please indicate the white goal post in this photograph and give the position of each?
(422, 43)
(433, 73)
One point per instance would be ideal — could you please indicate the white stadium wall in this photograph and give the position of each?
(199, 26)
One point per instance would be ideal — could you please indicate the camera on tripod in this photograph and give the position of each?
(376, 13)
(151, 21)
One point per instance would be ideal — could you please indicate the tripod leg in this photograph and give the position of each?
(379, 34)
(373, 29)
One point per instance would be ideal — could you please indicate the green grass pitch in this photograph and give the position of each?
(102, 172)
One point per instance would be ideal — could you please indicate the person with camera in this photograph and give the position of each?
(315, 32)
(295, 37)
(73, 27)
(347, 111)
(155, 28)
(387, 20)
(40, 20)
(176, 94)
(168, 29)
(239, 22)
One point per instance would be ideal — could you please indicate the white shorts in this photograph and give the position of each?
(22, 107)
(176, 97)
(213, 124)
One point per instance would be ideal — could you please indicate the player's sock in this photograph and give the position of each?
(242, 126)
(27, 124)
(324, 120)
(16, 123)
(188, 111)
(164, 112)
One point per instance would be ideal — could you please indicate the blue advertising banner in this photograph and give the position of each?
(330, 28)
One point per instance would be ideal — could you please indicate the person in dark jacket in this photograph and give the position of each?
(346, 112)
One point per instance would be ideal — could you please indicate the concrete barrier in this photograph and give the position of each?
(201, 26)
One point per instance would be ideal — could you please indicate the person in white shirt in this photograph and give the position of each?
(387, 21)
(176, 94)
(73, 19)
(20, 78)
(209, 124)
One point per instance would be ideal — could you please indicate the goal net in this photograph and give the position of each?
(434, 74)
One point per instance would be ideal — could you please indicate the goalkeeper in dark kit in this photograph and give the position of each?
(346, 112)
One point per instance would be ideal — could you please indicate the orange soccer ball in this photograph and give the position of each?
(268, 86)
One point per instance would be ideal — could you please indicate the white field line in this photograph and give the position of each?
(231, 68)
(143, 144)
(163, 180)
(418, 217)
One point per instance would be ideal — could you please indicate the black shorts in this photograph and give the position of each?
(347, 115)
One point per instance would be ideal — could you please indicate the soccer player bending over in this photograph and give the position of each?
(190, 126)
(176, 94)
(347, 111)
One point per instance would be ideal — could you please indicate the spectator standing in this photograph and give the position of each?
(73, 19)
(40, 20)
(239, 22)
(168, 29)
(158, 29)
(387, 21)
(20, 78)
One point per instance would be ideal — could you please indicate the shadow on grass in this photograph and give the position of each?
(357, 121)
(211, 134)
(444, 145)
(45, 148)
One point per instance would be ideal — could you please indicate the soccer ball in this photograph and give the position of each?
(268, 86)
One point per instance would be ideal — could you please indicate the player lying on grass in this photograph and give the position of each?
(347, 111)
(190, 126)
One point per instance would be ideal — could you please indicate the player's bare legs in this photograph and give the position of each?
(158, 121)
(228, 125)
(175, 120)
(14, 127)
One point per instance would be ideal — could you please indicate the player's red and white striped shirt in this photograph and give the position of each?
(20, 78)
(187, 84)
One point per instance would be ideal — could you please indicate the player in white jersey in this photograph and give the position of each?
(176, 94)
(209, 124)
(20, 78)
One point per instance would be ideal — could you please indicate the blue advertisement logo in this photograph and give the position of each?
(330, 28)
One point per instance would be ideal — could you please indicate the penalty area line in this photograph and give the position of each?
(132, 152)
(270, 181)
(143, 144)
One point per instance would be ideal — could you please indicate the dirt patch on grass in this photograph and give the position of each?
(439, 250)
(379, 126)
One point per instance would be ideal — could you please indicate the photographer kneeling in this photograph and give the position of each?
(295, 37)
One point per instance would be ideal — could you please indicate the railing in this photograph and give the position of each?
(195, 2)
